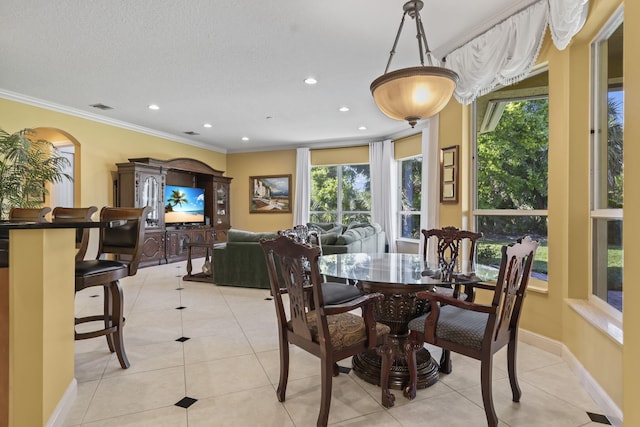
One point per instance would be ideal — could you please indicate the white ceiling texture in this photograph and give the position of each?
(237, 65)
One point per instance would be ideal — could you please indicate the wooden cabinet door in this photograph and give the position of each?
(153, 248)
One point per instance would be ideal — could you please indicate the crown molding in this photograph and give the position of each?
(25, 99)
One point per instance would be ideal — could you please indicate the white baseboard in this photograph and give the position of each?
(64, 405)
(591, 386)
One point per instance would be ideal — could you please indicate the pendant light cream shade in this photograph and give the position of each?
(414, 93)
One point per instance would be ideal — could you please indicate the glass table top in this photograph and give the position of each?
(396, 268)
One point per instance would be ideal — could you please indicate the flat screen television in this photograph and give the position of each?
(183, 205)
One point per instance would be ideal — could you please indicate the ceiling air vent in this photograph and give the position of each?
(101, 106)
(192, 133)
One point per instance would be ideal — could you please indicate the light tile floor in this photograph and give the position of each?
(230, 365)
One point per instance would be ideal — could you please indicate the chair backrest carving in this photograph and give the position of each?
(293, 268)
(454, 248)
(61, 214)
(515, 270)
(126, 239)
(302, 234)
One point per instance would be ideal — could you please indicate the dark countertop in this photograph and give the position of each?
(24, 225)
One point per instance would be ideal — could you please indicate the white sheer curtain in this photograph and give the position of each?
(505, 53)
(430, 202)
(566, 18)
(303, 187)
(502, 55)
(384, 192)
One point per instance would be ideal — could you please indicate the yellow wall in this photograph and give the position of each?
(547, 314)
(102, 147)
(631, 231)
(241, 167)
(407, 147)
(451, 132)
(345, 156)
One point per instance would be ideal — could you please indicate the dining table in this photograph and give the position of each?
(398, 277)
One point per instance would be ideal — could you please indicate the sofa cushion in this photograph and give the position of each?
(358, 225)
(325, 227)
(349, 236)
(328, 238)
(234, 235)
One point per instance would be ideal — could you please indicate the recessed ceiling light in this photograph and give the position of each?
(207, 125)
(310, 81)
(362, 128)
(153, 107)
(344, 109)
(245, 138)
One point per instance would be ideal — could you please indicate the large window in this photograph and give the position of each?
(410, 197)
(511, 159)
(340, 194)
(607, 167)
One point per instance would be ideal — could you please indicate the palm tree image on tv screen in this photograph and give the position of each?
(184, 205)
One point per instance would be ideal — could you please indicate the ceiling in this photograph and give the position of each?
(237, 65)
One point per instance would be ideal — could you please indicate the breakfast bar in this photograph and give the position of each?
(37, 384)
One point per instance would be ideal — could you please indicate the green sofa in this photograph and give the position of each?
(241, 262)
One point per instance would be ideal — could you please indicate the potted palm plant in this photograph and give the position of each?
(27, 164)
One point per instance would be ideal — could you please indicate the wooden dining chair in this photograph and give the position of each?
(61, 214)
(332, 292)
(124, 243)
(449, 245)
(476, 330)
(29, 214)
(329, 332)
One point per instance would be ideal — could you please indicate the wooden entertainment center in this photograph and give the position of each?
(143, 181)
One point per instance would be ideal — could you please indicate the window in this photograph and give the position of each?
(410, 197)
(511, 164)
(340, 194)
(607, 165)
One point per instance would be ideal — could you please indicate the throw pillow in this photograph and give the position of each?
(328, 238)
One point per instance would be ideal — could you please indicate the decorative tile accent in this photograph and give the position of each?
(598, 418)
(180, 308)
(186, 402)
(344, 369)
(183, 339)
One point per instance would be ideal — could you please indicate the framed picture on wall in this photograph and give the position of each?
(270, 194)
(449, 166)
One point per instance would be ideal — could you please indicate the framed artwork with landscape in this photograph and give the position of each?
(270, 194)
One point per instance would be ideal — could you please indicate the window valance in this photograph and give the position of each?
(506, 53)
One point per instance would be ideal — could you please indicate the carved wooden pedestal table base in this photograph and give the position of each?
(396, 310)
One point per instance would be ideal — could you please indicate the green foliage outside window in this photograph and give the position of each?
(512, 168)
(340, 194)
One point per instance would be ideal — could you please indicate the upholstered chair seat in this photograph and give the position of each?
(339, 293)
(345, 329)
(457, 325)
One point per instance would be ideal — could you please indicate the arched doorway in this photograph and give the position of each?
(65, 193)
